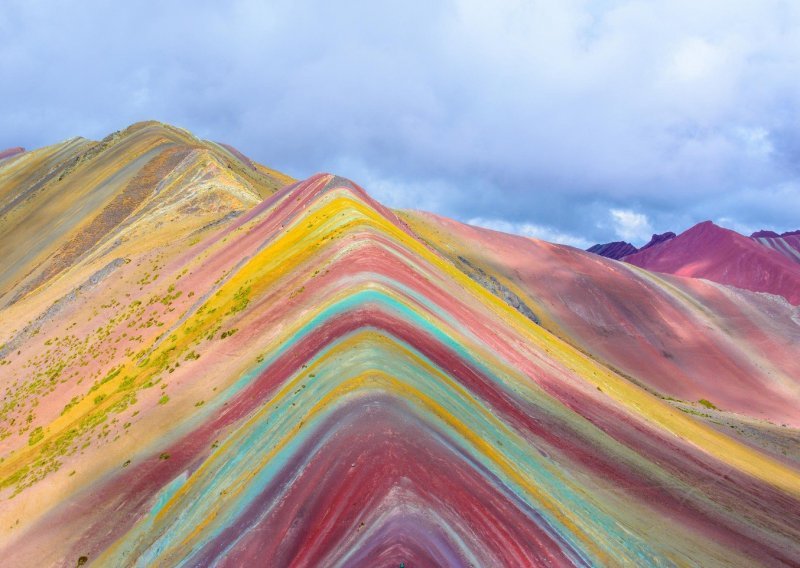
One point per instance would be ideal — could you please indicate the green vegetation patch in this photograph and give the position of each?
(36, 435)
(240, 300)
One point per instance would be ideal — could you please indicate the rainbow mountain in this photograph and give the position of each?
(204, 362)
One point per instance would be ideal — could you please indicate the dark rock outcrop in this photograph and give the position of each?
(657, 239)
(491, 283)
(615, 250)
(764, 234)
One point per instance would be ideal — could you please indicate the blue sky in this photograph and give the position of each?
(572, 121)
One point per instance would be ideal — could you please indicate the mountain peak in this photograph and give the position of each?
(618, 250)
(657, 239)
(709, 251)
(614, 250)
(706, 225)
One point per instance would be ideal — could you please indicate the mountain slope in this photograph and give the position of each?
(721, 255)
(788, 244)
(11, 152)
(93, 189)
(683, 339)
(316, 381)
(724, 256)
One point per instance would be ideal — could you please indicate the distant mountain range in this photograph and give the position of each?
(11, 152)
(763, 262)
(204, 362)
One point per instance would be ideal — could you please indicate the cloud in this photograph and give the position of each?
(631, 226)
(531, 230)
(548, 113)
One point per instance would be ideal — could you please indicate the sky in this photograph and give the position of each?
(573, 121)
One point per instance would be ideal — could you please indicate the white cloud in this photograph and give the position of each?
(756, 141)
(630, 225)
(532, 230)
(695, 59)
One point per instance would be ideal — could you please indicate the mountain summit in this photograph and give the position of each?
(764, 262)
(205, 362)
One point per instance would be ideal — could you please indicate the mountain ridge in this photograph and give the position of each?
(760, 263)
(311, 377)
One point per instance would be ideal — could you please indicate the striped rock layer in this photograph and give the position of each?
(788, 244)
(311, 379)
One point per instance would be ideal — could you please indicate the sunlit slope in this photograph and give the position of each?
(683, 338)
(311, 383)
(60, 203)
(724, 256)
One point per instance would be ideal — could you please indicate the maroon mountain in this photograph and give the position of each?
(721, 255)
